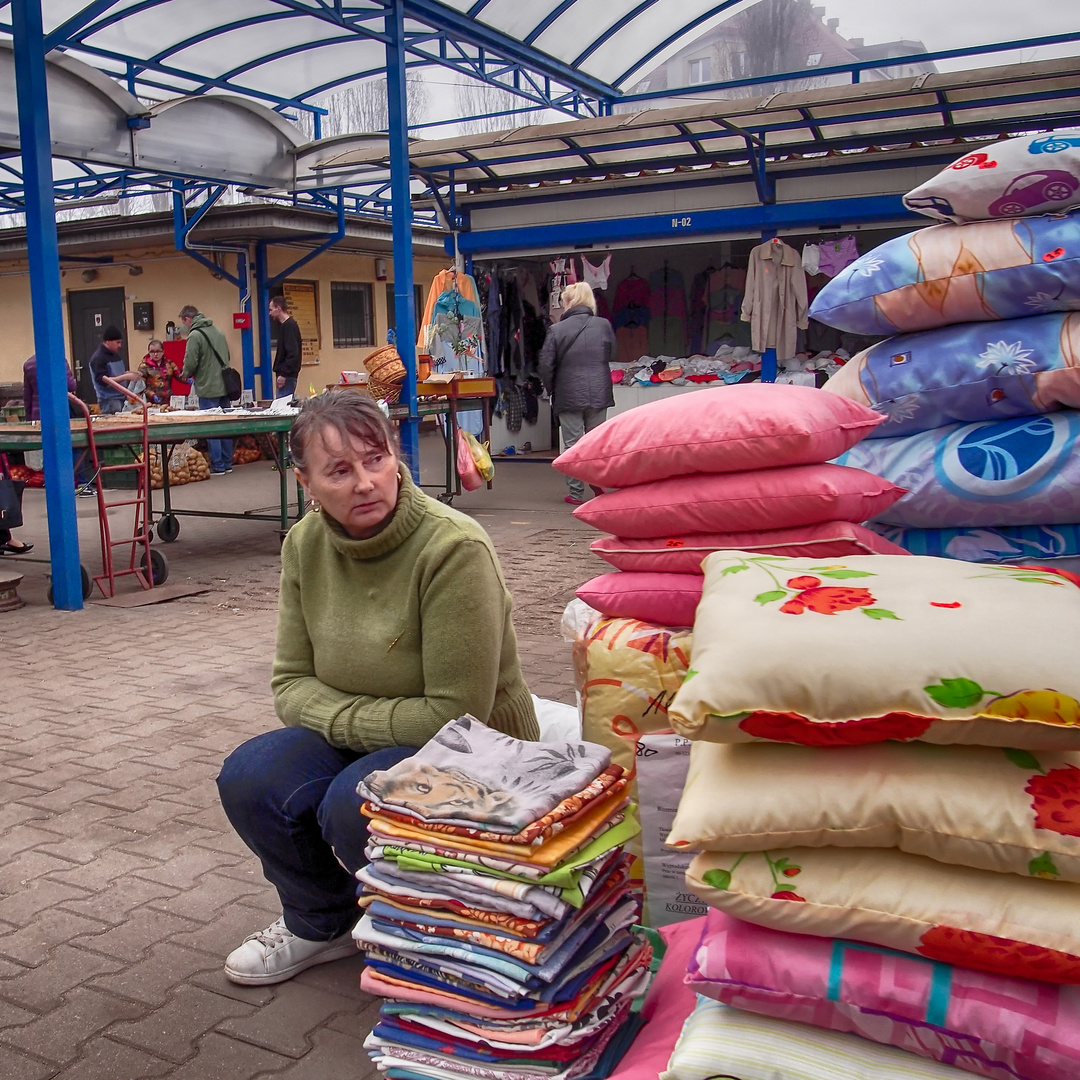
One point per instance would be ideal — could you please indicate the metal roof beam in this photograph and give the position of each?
(465, 28)
(66, 30)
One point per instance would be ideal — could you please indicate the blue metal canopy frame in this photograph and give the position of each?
(587, 79)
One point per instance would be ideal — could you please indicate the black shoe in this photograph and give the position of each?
(87, 492)
(10, 549)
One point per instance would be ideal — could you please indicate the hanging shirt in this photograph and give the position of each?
(563, 273)
(596, 276)
(445, 279)
(834, 255)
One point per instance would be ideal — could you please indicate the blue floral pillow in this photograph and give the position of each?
(977, 371)
(947, 274)
(1001, 472)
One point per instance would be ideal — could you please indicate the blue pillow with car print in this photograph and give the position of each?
(977, 371)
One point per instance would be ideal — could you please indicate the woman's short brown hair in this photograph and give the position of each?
(351, 414)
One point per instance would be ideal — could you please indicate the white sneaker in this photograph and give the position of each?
(276, 954)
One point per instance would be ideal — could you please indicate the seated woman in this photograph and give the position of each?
(393, 620)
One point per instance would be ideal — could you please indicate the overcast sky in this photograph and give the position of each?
(949, 24)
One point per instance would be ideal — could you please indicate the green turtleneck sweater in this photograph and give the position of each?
(381, 642)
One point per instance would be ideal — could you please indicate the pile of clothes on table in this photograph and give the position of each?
(730, 364)
(806, 370)
(499, 920)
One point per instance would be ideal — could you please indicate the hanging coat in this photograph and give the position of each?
(775, 303)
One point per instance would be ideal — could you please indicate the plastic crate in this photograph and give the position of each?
(118, 455)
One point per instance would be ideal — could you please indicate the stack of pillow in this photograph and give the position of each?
(887, 812)
(499, 919)
(981, 385)
(698, 473)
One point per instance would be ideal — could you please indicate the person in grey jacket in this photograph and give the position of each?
(575, 371)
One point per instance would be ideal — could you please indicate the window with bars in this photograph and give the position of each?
(351, 311)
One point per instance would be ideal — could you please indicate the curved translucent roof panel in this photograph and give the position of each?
(577, 56)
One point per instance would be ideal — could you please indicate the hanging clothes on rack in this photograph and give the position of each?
(596, 276)
(563, 273)
(631, 318)
(775, 303)
(667, 307)
(727, 287)
(834, 255)
(444, 280)
(699, 294)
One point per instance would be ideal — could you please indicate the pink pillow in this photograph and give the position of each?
(992, 1025)
(683, 554)
(667, 1005)
(758, 426)
(733, 502)
(665, 599)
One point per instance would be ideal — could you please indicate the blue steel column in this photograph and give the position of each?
(262, 299)
(44, 259)
(401, 202)
(769, 366)
(247, 341)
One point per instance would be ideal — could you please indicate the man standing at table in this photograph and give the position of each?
(106, 361)
(205, 359)
(289, 348)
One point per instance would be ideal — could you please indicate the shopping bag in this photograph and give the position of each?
(484, 465)
(10, 498)
(466, 466)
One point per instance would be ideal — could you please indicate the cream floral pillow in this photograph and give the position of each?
(879, 647)
(1002, 923)
(1002, 810)
(718, 1042)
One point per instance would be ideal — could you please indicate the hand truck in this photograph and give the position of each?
(149, 565)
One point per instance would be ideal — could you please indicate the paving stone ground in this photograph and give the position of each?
(122, 886)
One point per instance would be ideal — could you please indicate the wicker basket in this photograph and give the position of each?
(386, 374)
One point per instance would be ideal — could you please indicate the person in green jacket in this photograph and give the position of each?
(393, 620)
(205, 358)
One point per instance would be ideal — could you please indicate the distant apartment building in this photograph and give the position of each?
(776, 36)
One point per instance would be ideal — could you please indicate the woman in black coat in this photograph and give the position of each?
(575, 371)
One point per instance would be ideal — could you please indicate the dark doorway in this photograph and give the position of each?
(89, 312)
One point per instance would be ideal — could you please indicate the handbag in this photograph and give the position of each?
(233, 386)
(10, 498)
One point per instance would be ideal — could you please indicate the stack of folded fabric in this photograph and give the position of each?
(498, 915)
(698, 474)
(888, 820)
(981, 385)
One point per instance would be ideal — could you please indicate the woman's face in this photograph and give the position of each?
(156, 355)
(353, 481)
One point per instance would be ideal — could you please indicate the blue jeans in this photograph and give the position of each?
(287, 390)
(292, 799)
(111, 405)
(221, 450)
